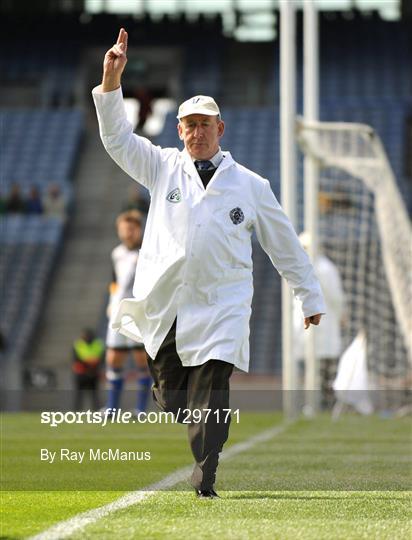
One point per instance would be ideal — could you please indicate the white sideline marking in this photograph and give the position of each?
(65, 528)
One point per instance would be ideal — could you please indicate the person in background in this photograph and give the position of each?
(124, 260)
(54, 203)
(328, 339)
(88, 354)
(34, 204)
(135, 201)
(3, 343)
(144, 97)
(15, 203)
(3, 205)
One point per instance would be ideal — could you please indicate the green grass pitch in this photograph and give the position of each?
(317, 479)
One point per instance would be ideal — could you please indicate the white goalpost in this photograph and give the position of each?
(288, 189)
(365, 229)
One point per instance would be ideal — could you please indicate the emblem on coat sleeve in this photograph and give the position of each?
(236, 215)
(174, 196)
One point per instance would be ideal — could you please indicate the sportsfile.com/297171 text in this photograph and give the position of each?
(117, 416)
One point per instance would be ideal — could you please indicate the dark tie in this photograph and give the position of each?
(205, 169)
(203, 165)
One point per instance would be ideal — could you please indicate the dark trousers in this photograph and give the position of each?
(85, 385)
(177, 389)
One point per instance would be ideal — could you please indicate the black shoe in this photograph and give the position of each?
(206, 494)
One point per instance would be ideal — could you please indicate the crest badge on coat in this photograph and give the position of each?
(237, 215)
(174, 196)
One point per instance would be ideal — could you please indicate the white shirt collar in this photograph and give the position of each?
(216, 159)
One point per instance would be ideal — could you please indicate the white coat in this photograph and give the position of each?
(195, 262)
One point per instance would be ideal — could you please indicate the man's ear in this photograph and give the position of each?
(221, 128)
(180, 131)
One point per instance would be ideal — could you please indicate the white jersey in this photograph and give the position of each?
(124, 263)
(328, 339)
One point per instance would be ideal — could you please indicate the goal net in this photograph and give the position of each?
(365, 230)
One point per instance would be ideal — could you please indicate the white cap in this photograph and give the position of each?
(198, 105)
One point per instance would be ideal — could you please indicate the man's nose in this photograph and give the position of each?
(198, 131)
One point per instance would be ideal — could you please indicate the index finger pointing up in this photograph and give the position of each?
(122, 38)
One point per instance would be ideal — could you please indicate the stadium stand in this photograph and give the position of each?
(52, 65)
(202, 78)
(29, 248)
(39, 147)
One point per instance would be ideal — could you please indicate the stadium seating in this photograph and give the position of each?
(202, 77)
(39, 147)
(50, 65)
(29, 246)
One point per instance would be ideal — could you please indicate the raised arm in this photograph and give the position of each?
(137, 156)
(114, 63)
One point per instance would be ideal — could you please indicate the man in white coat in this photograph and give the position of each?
(193, 286)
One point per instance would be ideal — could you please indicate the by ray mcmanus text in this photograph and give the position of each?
(92, 454)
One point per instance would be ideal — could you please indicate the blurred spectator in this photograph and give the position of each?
(54, 203)
(33, 203)
(88, 352)
(3, 205)
(15, 203)
(3, 344)
(136, 202)
(328, 339)
(144, 98)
